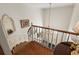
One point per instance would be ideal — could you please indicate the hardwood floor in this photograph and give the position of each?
(1, 51)
(32, 48)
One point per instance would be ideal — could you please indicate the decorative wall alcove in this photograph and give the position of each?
(8, 24)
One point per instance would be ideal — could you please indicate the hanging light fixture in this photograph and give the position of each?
(49, 14)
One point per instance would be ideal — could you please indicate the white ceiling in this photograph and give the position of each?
(46, 5)
(37, 5)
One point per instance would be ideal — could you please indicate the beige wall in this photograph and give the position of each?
(60, 17)
(19, 12)
(3, 42)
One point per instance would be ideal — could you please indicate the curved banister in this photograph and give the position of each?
(56, 30)
(29, 29)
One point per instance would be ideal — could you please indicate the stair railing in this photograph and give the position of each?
(48, 36)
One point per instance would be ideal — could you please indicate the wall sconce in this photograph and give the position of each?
(76, 28)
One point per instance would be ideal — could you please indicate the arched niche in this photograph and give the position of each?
(8, 24)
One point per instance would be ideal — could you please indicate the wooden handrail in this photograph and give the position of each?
(56, 30)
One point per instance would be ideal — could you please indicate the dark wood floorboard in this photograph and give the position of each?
(32, 48)
(1, 51)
